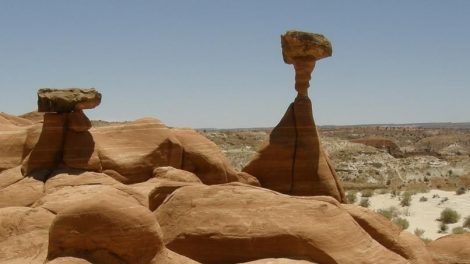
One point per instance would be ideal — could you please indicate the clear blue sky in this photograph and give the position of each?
(219, 64)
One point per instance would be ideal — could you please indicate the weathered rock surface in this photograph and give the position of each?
(24, 192)
(15, 143)
(65, 190)
(294, 162)
(173, 174)
(24, 234)
(47, 153)
(162, 190)
(77, 121)
(303, 49)
(297, 45)
(133, 150)
(451, 249)
(67, 100)
(278, 261)
(14, 120)
(389, 235)
(234, 223)
(104, 230)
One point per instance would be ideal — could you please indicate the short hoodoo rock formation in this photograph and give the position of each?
(294, 161)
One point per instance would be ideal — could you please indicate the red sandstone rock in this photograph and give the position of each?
(14, 120)
(451, 249)
(24, 192)
(278, 261)
(390, 235)
(47, 153)
(24, 234)
(77, 121)
(232, 223)
(12, 145)
(104, 230)
(162, 190)
(294, 162)
(173, 174)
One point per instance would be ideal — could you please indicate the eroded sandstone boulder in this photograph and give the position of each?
(24, 234)
(103, 230)
(232, 223)
(451, 249)
(16, 190)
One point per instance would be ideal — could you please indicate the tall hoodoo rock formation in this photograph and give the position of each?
(63, 110)
(294, 162)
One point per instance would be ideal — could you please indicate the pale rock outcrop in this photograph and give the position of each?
(234, 222)
(451, 249)
(294, 162)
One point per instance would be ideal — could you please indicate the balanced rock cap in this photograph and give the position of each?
(67, 100)
(304, 45)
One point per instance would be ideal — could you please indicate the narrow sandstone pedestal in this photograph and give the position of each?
(294, 162)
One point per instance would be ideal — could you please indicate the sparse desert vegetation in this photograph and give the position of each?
(449, 216)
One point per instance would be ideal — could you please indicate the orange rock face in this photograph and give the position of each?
(233, 223)
(451, 249)
(293, 162)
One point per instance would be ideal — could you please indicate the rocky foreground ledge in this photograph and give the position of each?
(143, 193)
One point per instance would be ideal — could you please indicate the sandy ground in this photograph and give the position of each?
(424, 215)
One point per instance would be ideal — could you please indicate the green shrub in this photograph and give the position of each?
(443, 228)
(389, 213)
(449, 216)
(405, 199)
(351, 197)
(458, 230)
(423, 199)
(401, 222)
(367, 193)
(461, 190)
(419, 232)
(364, 202)
(466, 222)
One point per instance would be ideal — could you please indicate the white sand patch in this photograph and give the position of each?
(424, 215)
